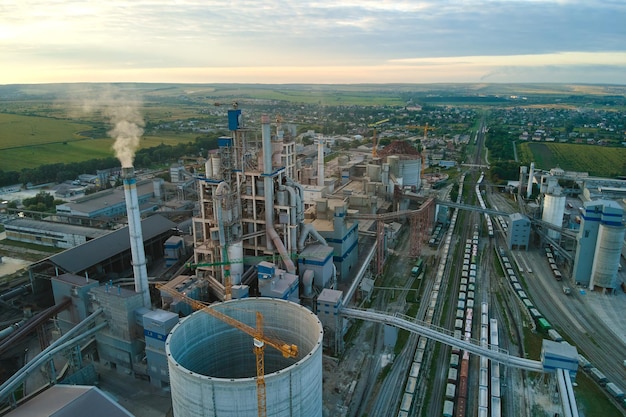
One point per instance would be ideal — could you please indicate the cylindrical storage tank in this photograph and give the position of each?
(393, 161)
(208, 168)
(216, 162)
(410, 171)
(553, 209)
(373, 171)
(235, 258)
(212, 365)
(158, 184)
(607, 256)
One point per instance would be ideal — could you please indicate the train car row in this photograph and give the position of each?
(481, 201)
(540, 321)
(612, 389)
(456, 387)
(496, 402)
(416, 366)
(553, 266)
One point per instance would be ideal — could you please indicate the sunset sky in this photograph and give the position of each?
(304, 41)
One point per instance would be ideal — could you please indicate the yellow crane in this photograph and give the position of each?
(425, 127)
(423, 151)
(259, 340)
(374, 144)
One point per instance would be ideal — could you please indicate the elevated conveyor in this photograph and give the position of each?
(443, 336)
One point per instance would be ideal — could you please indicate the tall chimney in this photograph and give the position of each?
(531, 175)
(140, 271)
(320, 161)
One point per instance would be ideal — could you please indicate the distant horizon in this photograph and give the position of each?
(598, 84)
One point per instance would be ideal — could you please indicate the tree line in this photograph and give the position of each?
(144, 158)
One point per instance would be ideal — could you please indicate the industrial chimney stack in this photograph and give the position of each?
(136, 236)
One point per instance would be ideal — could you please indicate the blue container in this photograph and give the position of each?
(234, 119)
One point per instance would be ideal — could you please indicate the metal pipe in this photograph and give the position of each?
(5, 389)
(140, 271)
(308, 229)
(292, 212)
(565, 401)
(10, 329)
(299, 198)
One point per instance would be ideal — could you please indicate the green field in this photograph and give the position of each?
(32, 156)
(596, 160)
(17, 131)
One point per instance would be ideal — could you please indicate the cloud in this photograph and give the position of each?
(148, 34)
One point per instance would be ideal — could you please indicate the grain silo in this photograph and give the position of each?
(213, 368)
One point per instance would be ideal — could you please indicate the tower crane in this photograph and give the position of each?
(259, 341)
(423, 151)
(374, 144)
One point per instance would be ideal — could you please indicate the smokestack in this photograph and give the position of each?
(140, 271)
(272, 234)
(531, 175)
(320, 161)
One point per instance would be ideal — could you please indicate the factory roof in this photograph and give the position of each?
(518, 216)
(64, 228)
(97, 250)
(329, 296)
(69, 401)
(94, 202)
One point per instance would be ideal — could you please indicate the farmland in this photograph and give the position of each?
(596, 160)
(18, 130)
(33, 156)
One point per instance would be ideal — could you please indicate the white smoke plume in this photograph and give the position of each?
(127, 130)
(120, 111)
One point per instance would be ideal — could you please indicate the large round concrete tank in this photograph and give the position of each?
(553, 209)
(410, 171)
(213, 368)
(607, 256)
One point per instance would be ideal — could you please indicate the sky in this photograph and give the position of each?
(313, 41)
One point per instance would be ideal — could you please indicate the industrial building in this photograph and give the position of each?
(111, 203)
(58, 235)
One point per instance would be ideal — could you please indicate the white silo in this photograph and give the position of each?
(553, 210)
(212, 365)
(235, 258)
(607, 256)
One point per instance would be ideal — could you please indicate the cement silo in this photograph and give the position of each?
(607, 256)
(410, 170)
(553, 210)
(212, 365)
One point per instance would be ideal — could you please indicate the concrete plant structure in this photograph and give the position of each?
(213, 369)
